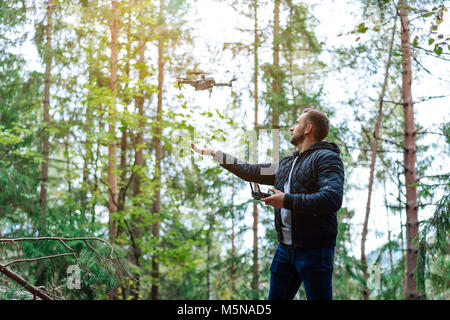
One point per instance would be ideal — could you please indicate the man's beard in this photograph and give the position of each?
(295, 140)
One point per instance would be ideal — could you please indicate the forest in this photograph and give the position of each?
(103, 198)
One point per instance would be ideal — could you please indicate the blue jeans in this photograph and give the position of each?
(291, 266)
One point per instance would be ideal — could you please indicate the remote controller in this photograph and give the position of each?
(258, 195)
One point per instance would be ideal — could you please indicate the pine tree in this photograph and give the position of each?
(45, 137)
(112, 119)
(412, 224)
(373, 157)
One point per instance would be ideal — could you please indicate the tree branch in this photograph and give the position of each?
(42, 292)
(19, 280)
(37, 259)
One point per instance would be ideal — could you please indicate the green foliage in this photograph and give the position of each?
(433, 267)
(440, 44)
(205, 217)
(347, 276)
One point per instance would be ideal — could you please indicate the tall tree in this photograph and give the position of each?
(48, 55)
(112, 165)
(373, 158)
(412, 224)
(255, 283)
(158, 150)
(276, 85)
(123, 166)
(233, 248)
(20, 105)
(139, 151)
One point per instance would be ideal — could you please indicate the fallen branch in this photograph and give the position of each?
(41, 292)
(58, 239)
(37, 259)
(19, 280)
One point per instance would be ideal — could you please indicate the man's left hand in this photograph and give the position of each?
(276, 201)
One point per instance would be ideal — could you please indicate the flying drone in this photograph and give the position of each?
(203, 83)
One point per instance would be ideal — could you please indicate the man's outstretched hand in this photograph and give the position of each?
(205, 150)
(276, 201)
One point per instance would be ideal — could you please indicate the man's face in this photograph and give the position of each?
(298, 130)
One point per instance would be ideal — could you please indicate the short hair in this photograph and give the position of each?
(319, 121)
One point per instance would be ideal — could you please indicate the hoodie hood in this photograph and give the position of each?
(320, 145)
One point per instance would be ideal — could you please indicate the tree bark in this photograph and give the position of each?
(233, 257)
(391, 261)
(402, 236)
(122, 193)
(158, 153)
(276, 85)
(124, 138)
(45, 140)
(112, 179)
(412, 225)
(139, 156)
(373, 159)
(68, 170)
(255, 205)
(276, 66)
(208, 257)
(112, 165)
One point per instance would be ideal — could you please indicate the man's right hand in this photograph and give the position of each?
(205, 150)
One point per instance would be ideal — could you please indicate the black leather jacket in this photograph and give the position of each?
(317, 188)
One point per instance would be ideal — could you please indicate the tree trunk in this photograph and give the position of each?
(124, 138)
(211, 217)
(158, 154)
(122, 193)
(391, 261)
(373, 159)
(123, 163)
(412, 225)
(208, 258)
(276, 85)
(84, 186)
(46, 145)
(276, 67)
(233, 257)
(139, 156)
(69, 180)
(402, 237)
(255, 205)
(112, 165)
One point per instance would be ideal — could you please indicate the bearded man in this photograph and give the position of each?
(308, 192)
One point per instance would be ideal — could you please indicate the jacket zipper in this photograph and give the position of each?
(299, 163)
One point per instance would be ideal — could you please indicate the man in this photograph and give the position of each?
(307, 195)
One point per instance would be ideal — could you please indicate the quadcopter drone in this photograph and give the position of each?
(203, 83)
